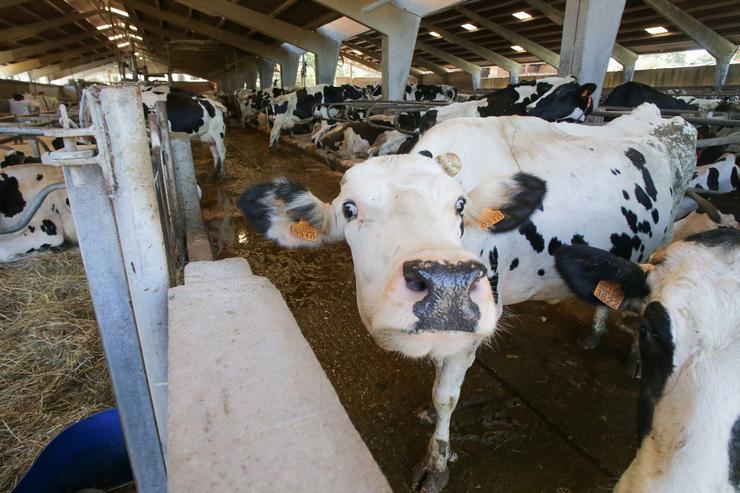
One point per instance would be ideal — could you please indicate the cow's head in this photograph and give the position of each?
(686, 297)
(418, 290)
(566, 102)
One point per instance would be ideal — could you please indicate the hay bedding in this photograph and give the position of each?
(52, 367)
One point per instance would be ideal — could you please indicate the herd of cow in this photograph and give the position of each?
(493, 201)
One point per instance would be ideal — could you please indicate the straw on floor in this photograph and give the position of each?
(52, 367)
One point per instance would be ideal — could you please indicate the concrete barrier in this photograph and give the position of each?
(251, 409)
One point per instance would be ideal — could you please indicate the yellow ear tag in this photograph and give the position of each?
(489, 217)
(304, 231)
(610, 293)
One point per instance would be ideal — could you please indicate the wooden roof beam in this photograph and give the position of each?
(29, 30)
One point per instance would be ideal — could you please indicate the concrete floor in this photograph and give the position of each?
(537, 412)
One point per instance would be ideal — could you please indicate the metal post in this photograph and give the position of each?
(116, 111)
(198, 244)
(106, 273)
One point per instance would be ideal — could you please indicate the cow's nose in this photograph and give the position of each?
(447, 304)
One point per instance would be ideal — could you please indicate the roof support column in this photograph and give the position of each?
(399, 28)
(250, 71)
(398, 51)
(326, 63)
(717, 45)
(589, 32)
(267, 72)
(289, 71)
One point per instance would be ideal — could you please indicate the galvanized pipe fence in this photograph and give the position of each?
(133, 206)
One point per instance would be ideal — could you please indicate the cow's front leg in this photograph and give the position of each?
(598, 328)
(431, 475)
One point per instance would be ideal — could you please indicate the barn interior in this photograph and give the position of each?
(537, 412)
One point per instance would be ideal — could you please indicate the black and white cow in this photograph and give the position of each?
(430, 92)
(253, 102)
(720, 177)
(201, 117)
(632, 94)
(25, 186)
(688, 411)
(17, 157)
(470, 221)
(298, 107)
(549, 98)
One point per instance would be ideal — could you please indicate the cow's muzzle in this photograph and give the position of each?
(447, 305)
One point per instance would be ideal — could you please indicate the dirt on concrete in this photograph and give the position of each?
(537, 412)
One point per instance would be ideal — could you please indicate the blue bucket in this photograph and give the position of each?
(87, 454)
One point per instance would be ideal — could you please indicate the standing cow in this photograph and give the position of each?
(202, 118)
(688, 410)
(470, 221)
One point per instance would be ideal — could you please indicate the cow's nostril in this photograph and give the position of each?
(414, 282)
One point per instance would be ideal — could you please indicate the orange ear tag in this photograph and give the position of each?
(610, 293)
(304, 231)
(489, 217)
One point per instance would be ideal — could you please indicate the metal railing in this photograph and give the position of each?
(133, 206)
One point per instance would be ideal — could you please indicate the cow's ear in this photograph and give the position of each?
(290, 215)
(587, 89)
(502, 205)
(600, 277)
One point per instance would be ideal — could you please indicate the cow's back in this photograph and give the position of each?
(614, 187)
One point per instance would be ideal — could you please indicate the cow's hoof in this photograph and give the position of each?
(589, 341)
(429, 481)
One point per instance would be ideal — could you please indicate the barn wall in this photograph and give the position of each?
(196, 87)
(667, 77)
(8, 87)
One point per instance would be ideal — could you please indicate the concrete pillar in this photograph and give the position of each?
(589, 32)
(475, 81)
(720, 71)
(289, 71)
(629, 72)
(398, 50)
(326, 64)
(267, 72)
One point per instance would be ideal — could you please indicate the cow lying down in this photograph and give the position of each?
(24, 187)
(470, 221)
(688, 411)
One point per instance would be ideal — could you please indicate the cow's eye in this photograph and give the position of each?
(349, 209)
(460, 205)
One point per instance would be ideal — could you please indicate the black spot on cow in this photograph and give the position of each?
(45, 245)
(31, 228)
(670, 189)
(734, 453)
(553, 246)
(221, 134)
(631, 219)
(735, 179)
(713, 179)
(615, 172)
(462, 227)
(30, 250)
(514, 264)
(11, 198)
(638, 160)
(656, 216)
(209, 107)
(643, 198)
(578, 240)
(66, 201)
(621, 245)
(529, 230)
(636, 157)
(281, 108)
(48, 227)
(493, 280)
(625, 195)
(426, 153)
(720, 237)
(656, 354)
(39, 177)
(541, 272)
(184, 113)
